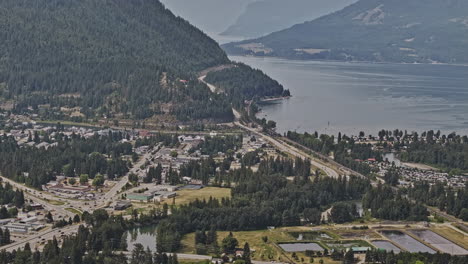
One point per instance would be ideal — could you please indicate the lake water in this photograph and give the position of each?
(143, 235)
(332, 97)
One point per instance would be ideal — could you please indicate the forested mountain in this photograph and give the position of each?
(267, 16)
(105, 58)
(374, 30)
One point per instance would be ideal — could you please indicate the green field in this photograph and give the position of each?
(261, 251)
(54, 202)
(72, 210)
(187, 196)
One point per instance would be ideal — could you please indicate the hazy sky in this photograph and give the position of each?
(212, 16)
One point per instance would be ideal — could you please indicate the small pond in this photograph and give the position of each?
(143, 235)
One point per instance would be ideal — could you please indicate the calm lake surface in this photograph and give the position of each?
(332, 97)
(142, 235)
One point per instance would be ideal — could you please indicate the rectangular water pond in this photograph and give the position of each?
(386, 245)
(300, 247)
(439, 242)
(407, 242)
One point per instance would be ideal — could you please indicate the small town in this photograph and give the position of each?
(157, 177)
(233, 132)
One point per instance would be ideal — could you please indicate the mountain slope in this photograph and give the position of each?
(374, 30)
(212, 16)
(105, 58)
(266, 16)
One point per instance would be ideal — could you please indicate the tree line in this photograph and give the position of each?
(259, 200)
(345, 150)
(445, 151)
(9, 196)
(447, 199)
(386, 203)
(224, 144)
(71, 156)
(5, 237)
(382, 256)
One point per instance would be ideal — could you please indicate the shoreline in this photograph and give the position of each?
(272, 99)
(342, 61)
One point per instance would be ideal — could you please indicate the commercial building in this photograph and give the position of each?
(139, 197)
(122, 205)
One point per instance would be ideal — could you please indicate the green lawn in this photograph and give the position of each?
(187, 196)
(261, 251)
(54, 202)
(75, 211)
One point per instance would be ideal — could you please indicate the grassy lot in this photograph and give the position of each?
(263, 251)
(54, 202)
(183, 197)
(269, 251)
(187, 196)
(452, 235)
(358, 234)
(72, 210)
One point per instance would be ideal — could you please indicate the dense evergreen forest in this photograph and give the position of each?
(261, 199)
(454, 202)
(242, 83)
(346, 151)
(445, 151)
(381, 256)
(224, 144)
(385, 203)
(71, 156)
(5, 237)
(10, 196)
(108, 58)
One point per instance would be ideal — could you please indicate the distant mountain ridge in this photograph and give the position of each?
(408, 31)
(267, 16)
(212, 16)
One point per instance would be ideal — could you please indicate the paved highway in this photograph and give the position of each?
(41, 237)
(113, 193)
(291, 150)
(41, 198)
